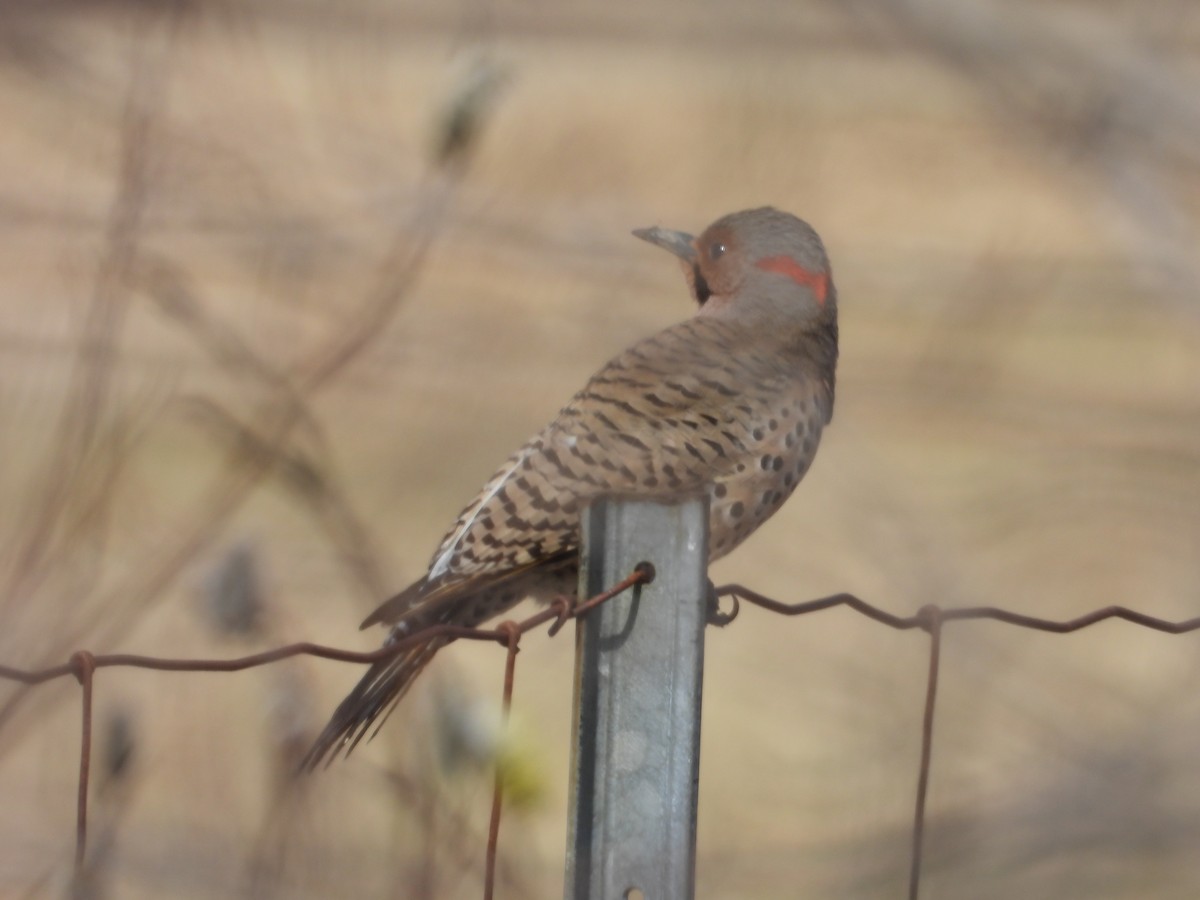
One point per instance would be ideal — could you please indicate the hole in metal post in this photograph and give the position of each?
(647, 571)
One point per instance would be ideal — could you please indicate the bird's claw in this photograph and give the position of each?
(564, 605)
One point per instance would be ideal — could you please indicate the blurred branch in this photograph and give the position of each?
(73, 444)
(251, 451)
(313, 483)
(170, 288)
(1093, 90)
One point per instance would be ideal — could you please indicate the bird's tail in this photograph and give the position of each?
(373, 698)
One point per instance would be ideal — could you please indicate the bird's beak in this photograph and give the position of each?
(677, 242)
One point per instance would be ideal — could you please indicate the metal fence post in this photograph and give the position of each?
(639, 667)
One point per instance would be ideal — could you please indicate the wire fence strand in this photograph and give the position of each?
(931, 618)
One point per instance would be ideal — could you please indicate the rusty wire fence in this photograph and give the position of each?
(931, 619)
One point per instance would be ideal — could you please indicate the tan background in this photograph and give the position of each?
(198, 199)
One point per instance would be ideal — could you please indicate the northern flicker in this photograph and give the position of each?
(732, 401)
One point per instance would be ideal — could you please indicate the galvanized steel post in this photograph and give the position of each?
(639, 669)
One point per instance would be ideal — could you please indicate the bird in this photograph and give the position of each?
(731, 401)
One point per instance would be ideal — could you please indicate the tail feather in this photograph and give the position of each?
(465, 601)
(371, 702)
(394, 608)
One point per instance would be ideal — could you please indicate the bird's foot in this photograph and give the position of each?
(564, 605)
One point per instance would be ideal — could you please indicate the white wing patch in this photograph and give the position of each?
(441, 563)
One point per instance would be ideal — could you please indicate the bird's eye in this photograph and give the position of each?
(716, 251)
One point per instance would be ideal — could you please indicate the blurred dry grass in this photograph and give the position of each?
(246, 312)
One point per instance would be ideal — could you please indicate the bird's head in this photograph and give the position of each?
(760, 266)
